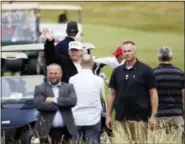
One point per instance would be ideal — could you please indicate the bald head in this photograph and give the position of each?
(54, 73)
(54, 67)
(87, 61)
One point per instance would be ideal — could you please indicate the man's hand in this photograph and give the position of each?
(108, 122)
(49, 100)
(152, 122)
(47, 34)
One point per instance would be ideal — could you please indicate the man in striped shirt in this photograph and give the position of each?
(170, 85)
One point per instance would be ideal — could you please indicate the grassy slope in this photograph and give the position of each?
(149, 24)
(152, 16)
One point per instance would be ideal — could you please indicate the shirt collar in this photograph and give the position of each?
(133, 67)
(71, 37)
(165, 64)
(86, 70)
(56, 85)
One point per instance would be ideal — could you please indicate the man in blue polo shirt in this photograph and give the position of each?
(63, 46)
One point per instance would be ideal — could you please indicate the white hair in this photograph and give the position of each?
(165, 53)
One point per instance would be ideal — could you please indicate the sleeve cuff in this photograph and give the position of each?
(55, 100)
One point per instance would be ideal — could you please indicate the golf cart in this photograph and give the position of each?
(20, 23)
(18, 114)
(28, 66)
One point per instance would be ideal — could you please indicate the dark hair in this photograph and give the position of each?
(62, 18)
(165, 58)
(72, 28)
(128, 42)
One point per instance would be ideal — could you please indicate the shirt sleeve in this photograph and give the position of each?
(150, 79)
(106, 60)
(112, 82)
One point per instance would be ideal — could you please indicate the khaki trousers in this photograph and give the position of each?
(132, 132)
(173, 126)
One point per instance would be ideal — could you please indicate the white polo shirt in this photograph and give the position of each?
(89, 89)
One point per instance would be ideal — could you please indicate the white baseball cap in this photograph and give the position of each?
(75, 45)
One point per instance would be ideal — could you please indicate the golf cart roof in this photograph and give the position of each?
(60, 7)
(13, 55)
(88, 46)
(35, 47)
(25, 6)
(20, 6)
(23, 47)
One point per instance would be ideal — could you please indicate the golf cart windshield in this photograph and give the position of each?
(18, 25)
(20, 87)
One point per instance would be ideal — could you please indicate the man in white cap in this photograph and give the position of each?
(70, 65)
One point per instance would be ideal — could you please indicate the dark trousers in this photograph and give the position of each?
(89, 134)
(59, 134)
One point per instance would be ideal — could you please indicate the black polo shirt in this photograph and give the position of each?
(132, 101)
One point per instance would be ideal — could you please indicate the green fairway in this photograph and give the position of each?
(106, 38)
(149, 24)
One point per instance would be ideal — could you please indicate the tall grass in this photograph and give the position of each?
(157, 136)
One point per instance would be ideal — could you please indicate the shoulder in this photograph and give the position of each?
(72, 78)
(67, 85)
(98, 80)
(146, 69)
(144, 66)
(171, 69)
(60, 43)
(118, 69)
(40, 86)
(178, 69)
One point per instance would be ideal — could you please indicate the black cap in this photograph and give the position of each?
(72, 27)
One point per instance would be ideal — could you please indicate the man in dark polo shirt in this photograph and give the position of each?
(133, 95)
(170, 86)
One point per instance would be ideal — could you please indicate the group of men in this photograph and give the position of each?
(70, 99)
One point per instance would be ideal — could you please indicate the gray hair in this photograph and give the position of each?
(165, 53)
(87, 60)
